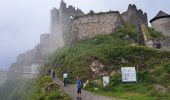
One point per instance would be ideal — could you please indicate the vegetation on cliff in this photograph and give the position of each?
(47, 90)
(116, 50)
(108, 49)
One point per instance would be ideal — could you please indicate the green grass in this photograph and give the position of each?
(55, 94)
(110, 50)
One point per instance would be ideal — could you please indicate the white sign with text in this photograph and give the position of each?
(128, 74)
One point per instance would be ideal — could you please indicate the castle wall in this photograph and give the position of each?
(91, 25)
(165, 44)
(162, 25)
(49, 43)
(134, 16)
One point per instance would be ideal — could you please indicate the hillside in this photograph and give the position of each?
(106, 54)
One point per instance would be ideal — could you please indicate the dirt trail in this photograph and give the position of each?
(71, 90)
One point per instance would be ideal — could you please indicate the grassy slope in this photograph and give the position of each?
(110, 49)
(55, 94)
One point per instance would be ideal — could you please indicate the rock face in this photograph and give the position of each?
(161, 23)
(70, 21)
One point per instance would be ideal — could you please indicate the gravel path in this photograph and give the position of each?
(71, 90)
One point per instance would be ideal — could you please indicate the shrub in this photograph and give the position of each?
(167, 68)
(115, 80)
(145, 77)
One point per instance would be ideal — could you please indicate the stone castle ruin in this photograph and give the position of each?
(93, 24)
(161, 23)
(71, 21)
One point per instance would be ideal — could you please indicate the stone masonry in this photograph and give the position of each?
(93, 24)
(161, 23)
(67, 20)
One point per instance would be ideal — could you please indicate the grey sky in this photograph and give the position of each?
(22, 21)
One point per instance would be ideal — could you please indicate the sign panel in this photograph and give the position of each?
(105, 80)
(128, 74)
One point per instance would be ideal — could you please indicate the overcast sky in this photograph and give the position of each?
(22, 21)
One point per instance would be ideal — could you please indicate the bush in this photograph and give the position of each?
(167, 68)
(115, 80)
(42, 81)
(145, 77)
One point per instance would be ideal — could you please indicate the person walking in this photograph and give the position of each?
(65, 75)
(49, 72)
(79, 86)
(53, 74)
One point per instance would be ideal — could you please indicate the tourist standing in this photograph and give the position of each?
(49, 72)
(65, 75)
(53, 74)
(79, 86)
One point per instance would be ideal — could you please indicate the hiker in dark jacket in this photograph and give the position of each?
(53, 74)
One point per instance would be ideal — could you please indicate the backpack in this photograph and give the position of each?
(82, 85)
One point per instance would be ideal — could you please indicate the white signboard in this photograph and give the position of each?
(105, 80)
(128, 74)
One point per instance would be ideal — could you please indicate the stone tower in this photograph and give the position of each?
(61, 21)
(161, 23)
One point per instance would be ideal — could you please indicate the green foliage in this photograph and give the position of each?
(145, 77)
(115, 80)
(55, 94)
(167, 68)
(108, 49)
(155, 34)
(42, 81)
(113, 49)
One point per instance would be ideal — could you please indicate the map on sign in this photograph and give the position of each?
(128, 74)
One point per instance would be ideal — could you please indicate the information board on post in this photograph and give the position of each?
(128, 74)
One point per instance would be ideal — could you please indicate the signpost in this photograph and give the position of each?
(128, 74)
(105, 80)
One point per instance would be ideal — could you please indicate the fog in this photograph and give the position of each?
(22, 21)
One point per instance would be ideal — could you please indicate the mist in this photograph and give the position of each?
(15, 87)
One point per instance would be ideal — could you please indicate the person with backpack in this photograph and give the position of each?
(79, 87)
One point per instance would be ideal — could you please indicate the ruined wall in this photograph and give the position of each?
(162, 25)
(61, 22)
(134, 16)
(91, 25)
(165, 44)
(105, 23)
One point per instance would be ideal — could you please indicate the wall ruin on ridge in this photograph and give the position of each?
(105, 23)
